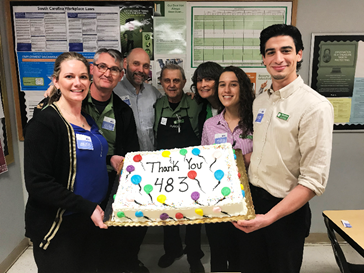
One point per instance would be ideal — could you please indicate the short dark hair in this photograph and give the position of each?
(246, 98)
(282, 30)
(206, 70)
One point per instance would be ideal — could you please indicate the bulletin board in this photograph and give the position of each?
(170, 32)
(337, 72)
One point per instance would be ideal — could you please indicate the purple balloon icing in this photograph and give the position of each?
(195, 195)
(164, 216)
(130, 168)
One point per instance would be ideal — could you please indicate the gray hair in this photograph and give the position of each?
(173, 67)
(116, 54)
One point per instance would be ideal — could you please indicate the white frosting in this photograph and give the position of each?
(169, 174)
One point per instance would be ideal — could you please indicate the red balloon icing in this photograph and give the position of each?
(179, 215)
(192, 174)
(239, 175)
(137, 158)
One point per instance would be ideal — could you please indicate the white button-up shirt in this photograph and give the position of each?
(292, 139)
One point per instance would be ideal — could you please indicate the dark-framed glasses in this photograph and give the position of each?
(114, 70)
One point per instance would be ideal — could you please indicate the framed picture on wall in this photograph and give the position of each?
(337, 72)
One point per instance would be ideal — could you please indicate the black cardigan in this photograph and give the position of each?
(50, 170)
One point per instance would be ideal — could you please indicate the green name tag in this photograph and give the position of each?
(282, 116)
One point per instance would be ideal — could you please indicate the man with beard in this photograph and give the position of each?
(140, 96)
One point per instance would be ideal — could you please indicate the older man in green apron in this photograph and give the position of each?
(176, 126)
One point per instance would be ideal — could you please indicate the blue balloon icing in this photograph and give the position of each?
(196, 151)
(135, 179)
(219, 174)
(139, 213)
(243, 192)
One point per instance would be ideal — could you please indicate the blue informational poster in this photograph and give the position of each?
(36, 68)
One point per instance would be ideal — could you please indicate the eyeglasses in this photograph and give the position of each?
(114, 70)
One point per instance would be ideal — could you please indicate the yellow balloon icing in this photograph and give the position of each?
(161, 198)
(166, 153)
(242, 187)
(199, 212)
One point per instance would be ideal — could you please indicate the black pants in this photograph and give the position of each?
(173, 242)
(71, 250)
(224, 247)
(279, 247)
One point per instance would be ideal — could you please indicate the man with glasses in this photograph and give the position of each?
(140, 96)
(176, 126)
(116, 122)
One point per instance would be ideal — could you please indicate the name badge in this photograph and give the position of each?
(164, 121)
(282, 116)
(220, 138)
(108, 124)
(260, 115)
(126, 99)
(84, 142)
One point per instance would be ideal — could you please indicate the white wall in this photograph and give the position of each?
(345, 189)
(11, 183)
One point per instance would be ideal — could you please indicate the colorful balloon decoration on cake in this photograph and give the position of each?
(200, 212)
(140, 214)
(164, 216)
(216, 155)
(183, 152)
(218, 210)
(162, 199)
(129, 169)
(195, 196)
(219, 174)
(136, 179)
(192, 175)
(148, 189)
(121, 214)
(225, 191)
(138, 158)
(196, 152)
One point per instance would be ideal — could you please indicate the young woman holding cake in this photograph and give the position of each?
(65, 173)
(234, 125)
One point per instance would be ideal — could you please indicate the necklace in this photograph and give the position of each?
(72, 116)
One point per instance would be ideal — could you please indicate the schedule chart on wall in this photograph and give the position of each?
(229, 34)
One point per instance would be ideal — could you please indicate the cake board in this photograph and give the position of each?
(248, 199)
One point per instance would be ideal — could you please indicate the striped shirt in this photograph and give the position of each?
(216, 130)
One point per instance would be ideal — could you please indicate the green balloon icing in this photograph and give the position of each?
(114, 196)
(120, 214)
(225, 191)
(234, 151)
(148, 188)
(183, 151)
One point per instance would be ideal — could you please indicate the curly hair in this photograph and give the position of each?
(246, 98)
(207, 70)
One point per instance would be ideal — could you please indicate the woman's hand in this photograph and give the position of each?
(97, 217)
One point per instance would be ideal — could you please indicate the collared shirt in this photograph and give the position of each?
(216, 130)
(142, 106)
(292, 140)
(104, 121)
(187, 106)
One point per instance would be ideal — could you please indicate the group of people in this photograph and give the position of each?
(76, 142)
